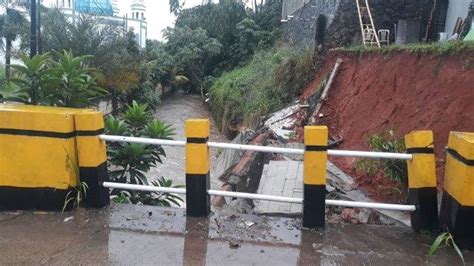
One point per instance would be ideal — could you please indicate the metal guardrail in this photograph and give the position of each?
(253, 196)
(267, 149)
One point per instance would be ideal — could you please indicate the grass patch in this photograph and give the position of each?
(269, 81)
(446, 48)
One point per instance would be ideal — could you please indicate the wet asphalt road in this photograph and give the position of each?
(140, 235)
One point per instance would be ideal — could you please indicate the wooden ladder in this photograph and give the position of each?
(369, 34)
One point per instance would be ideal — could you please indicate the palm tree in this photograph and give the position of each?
(12, 22)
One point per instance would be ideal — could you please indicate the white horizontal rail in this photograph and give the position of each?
(164, 142)
(243, 147)
(144, 188)
(371, 205)
(370, 154)
(342, 203)
(253, 196)
(268, 149)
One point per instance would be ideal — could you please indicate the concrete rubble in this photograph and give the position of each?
(253, 172)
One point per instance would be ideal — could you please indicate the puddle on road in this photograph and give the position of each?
(131, 234)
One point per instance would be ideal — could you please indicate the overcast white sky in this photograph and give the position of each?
(157, 14)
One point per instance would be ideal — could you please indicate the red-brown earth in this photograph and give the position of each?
(374, 93)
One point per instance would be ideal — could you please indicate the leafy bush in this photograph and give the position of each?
(395, 169)
(64, 81)
(269, 81)
(129, 162)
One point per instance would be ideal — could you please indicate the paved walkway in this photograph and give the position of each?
(140, 235)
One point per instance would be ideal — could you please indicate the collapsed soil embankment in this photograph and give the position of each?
(374, 93)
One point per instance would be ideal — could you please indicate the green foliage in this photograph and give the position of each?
(259, 87)
(74, 85)
(370, 167)
(395, 169)
(175, 6)
(193, 51)
(448, 240)
(33, 80)
(137, 116)
(13, 26)
(129, 162)
(116, 55)
(75, 197)
(161, 199)
(446, 48)
(77, 194)
(212, 38)
(61, 82)
(158, 130)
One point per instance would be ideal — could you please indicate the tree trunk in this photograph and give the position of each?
(33, 44)
(114, 102)
(8, 55)
(38, 37)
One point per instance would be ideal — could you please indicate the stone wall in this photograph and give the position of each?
(335, 23)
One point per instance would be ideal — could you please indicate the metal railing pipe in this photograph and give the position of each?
(371, 154)
(268, 149)
(370, 205)
(253, 196)
(144, 188)
(258, 148)
(164, 142)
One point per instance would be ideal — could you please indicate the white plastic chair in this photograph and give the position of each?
(384, 36)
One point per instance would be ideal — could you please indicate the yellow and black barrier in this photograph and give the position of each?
(422, 190)
(457, 206)
(198, 202)
(314, 176)
(92, 157)
(41, 154)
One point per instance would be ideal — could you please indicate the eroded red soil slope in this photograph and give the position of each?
(374, 93)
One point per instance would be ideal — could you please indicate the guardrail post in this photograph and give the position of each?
(92, 157)
(422, 190)
(197, 168)
(314, 176)
(457, 206)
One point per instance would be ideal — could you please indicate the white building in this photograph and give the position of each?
(457, 9)
(108, 12)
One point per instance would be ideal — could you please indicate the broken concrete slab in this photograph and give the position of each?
(280, 122)
(285, 178)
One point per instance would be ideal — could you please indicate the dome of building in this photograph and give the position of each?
(94, 7)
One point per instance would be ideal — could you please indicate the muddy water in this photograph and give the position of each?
(175, 110)
(126, 234)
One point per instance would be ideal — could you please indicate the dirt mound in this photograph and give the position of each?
(374, 93)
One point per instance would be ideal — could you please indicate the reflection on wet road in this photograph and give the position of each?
(142, 235)
(175, 110)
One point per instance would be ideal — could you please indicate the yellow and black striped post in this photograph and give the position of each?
(457, 206)
(197, 168)
(37, 146)
(422, 190)
(92, 157)
(314, 176)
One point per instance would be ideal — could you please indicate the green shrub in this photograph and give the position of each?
(129, 162)
(269, 81)
(394, 169)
